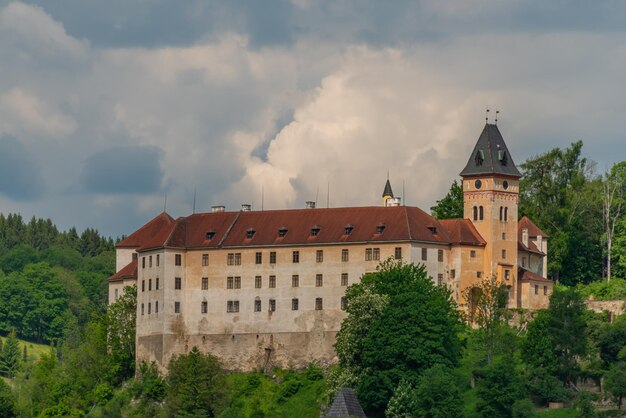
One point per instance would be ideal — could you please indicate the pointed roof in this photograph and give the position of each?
(388, 191)
(490, 155)
(156, 230)
(533, 230)
(346, 405)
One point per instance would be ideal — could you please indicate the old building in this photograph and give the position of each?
(259, 288)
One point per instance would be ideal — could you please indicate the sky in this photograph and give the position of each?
(111, 110)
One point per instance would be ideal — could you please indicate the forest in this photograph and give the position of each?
(405, 348)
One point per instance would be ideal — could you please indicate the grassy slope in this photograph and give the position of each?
(277, 395)
(33, 350)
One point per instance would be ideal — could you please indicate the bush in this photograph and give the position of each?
(7, 401)
(523, 408)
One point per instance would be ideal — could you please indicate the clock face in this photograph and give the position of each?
(505, 184)
(478, 184)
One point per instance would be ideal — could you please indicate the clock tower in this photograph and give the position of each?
(490, 201)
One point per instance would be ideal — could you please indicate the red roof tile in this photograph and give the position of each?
(127, 272)
(532, 248)
(154, 232)
(462, 231)
(524, 274)
(533, 230)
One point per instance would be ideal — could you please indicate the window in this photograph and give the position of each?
(282, 232)
(233, 259)
(205, 260)
(134, 256)
(504, 235)
(507, 274)
(506, 214)
(143, 285)
(205, 283)
(501, 213)
(424, 254)
(149, 308)
(176, 307)
(452, 273)
(368, 254)
(158, 259)
(178, 283)
(295, 256)
(344, 303)
(116, 293)
(480, 213)
(232, 306)
(273, 257)
(142, 308)
(345, 255)
(210, 235)
(314, 231)
(376, 254)
(503, 253)
(204, 307)
(272, 282)
(479, 274)
(257, 306)
(258, 282)
(473, 254)
(143, 262)
(536, 289)
(319, 256)
(178, 260)
(475, 213)
(237, 282)
(380, 228)
(545, 290)
(347, 229)
(294, 304)
(149, 284)
(439, 279)
(156, 307)
(295, 280)
(156, 283)
(319, 304)
(272, 305)
(250, 233)
(398, 253)
(344, 279)
(319, 280)
(440, 256)
(150, 261)
(230, 282)
(258, 258)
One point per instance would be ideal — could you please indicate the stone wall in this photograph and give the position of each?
(614, 307)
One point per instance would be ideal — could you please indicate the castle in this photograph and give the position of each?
(259, 288)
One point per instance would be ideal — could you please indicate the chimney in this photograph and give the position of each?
(246, 207)
(310, 205)
(218, 208)
(393, 201)
(525, 237)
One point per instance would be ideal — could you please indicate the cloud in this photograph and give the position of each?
(124, 170)
(20, 177)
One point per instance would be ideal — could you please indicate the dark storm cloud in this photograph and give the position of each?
(123, 170)
(20, 176)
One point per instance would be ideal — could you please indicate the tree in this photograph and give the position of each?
(411, 326)
(614, 189)
(437, 394)
(196, 385)
(10, 356)
(402, 403)
(121, 329)
(7, 401)
(615, 382)
(497, 389)
(451, 206)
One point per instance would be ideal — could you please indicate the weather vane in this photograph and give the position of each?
(487, 115)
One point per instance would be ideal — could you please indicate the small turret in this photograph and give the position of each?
(387, 193)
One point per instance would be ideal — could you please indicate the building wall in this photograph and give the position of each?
(123, 257)
(116, 288)
(535, 294)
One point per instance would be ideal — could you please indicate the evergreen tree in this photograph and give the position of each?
(10, 357)
(7, 401)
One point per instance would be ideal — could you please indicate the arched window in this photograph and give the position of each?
(501, 213)
(481, 213)
(506, 214)
(475, 210)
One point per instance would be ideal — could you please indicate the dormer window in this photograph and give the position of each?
(502, 157)
(348, 229)
(282, 232)
(480, 157)
(433, 230)
(210, 235)
(315, 231)
(380, 228)
(250, 233)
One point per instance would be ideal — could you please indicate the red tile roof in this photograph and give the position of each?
(153, 233)
(533, 230)
(462, 231)
(524, 274)
(531, 248)
(127, 272)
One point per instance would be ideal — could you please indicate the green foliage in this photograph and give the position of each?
(451, 206)
(399, 324)
(402, 403)
(10, 356)
(197, 385)
(610, 338)
(7, 401)
(149, 383)
(615, 382)
(584, 406)
(523, 408)
(497, 389)
(615, 289)
(559, 192)
(437, 394)
(121, 329)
